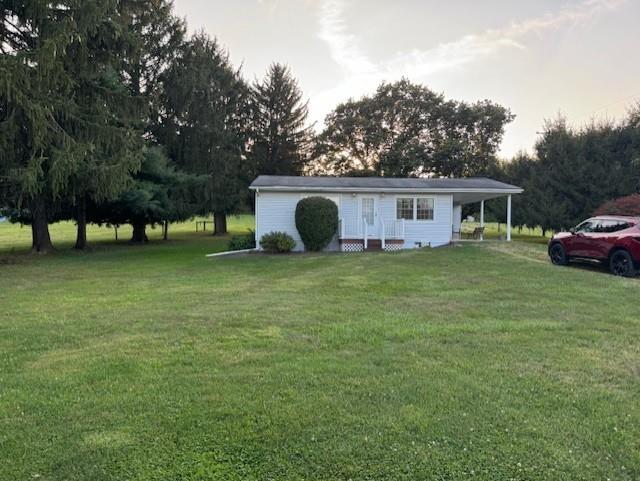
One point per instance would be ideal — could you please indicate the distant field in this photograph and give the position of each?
(461, 363)
(493, 230)
(18, 238)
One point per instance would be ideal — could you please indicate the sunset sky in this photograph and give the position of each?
(540, 59)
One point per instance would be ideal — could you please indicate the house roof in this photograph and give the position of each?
(326, 183)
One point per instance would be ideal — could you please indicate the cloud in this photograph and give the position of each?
(342, 45)
(361, 74)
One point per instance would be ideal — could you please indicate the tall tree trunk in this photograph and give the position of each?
(81, 221)
(139, 233)
(219, 223)
(165, 230)
(41, 240)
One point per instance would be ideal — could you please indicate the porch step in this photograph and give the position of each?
(374, 245)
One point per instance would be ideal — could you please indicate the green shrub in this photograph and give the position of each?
(317, 222)
(242, 242)
(277, 242)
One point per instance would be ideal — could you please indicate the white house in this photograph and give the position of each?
(378, 212)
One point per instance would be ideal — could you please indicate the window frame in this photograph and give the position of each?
(413, 207)
(414, 217)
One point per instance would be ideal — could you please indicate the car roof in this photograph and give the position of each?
(617, 217)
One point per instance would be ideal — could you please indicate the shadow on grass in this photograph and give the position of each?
(593, 266)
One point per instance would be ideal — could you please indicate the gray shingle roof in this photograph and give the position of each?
(385, 183)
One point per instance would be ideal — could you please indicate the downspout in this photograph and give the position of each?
(255, 233)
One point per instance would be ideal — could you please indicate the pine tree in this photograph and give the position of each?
(154, 37)
(36, 152)
(104, 117)
(204, 125)
(158, 194)
(280, 140)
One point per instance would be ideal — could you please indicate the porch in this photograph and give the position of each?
(478, 232)
(365, 235)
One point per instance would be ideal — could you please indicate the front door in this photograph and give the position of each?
(369, 215)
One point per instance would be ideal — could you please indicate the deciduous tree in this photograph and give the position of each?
(406, 129)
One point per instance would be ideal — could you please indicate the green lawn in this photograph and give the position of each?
(156, 363)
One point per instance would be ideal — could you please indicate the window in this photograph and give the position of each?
(404, 208)
(368, 209)
(424, 208)
(587, 226)
(415, 208)
(609, 226)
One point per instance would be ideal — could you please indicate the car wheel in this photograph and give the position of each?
(558, 255)
(621, 264)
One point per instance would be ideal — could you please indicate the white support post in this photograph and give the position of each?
(482, 219)
(509, 218)
(382, 236)
(366, 234)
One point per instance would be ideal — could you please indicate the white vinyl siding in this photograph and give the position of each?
(275, 211)
(435, 231)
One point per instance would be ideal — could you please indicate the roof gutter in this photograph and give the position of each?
(386, 189)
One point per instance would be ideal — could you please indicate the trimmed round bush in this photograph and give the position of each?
(277, 242)
(317, 222)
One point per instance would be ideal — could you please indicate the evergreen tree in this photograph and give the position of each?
(575, 171)
(154, 37)
(279, 139)
(103, 120)
(578, 170)
(159, 194)
(204, 125)
(518, 171)
(44, 131)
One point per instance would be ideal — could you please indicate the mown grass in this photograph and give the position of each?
(474, 362)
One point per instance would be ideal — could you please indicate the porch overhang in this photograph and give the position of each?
(473, 197)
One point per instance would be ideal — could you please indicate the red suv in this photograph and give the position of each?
(611, 239)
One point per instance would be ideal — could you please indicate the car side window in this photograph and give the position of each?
(611, 226)
(605, 226)
(587, 226)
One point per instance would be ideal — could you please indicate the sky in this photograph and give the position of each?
(541, 59)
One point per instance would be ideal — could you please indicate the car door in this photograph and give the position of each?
(578, 245)
(595, 241)
(607, 235)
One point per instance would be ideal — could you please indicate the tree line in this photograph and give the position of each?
(110, 113)
(572, 172)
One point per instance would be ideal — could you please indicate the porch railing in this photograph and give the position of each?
(350, 229)
(360, 229)
(393, 229)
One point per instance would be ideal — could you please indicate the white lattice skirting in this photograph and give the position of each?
(352, 247)
(393, 247)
